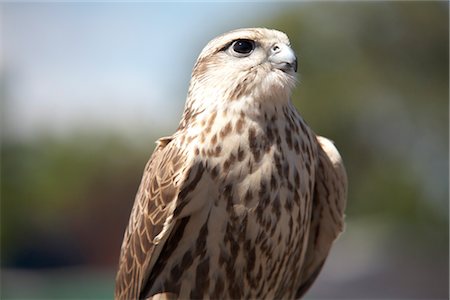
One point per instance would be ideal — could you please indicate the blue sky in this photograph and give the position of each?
(120, 67)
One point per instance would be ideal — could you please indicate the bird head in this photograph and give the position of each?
(256, 63)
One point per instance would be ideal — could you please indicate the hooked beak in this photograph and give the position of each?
(283, 58)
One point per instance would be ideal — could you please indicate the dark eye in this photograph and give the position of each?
(243, 46)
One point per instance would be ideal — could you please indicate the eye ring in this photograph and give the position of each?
(243, 47)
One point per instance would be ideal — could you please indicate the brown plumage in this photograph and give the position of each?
(243, 200)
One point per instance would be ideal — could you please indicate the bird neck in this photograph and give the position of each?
(256, 109)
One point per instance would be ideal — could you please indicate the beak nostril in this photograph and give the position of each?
(283, 57)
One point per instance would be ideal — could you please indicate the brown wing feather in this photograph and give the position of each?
(327, 219)
(151, 214)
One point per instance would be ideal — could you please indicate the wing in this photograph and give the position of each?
(327, 220)
(165, 184)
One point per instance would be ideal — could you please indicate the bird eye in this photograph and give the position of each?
(243, 46)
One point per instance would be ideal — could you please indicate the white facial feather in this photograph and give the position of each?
(221, 76)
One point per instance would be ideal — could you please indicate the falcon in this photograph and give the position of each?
(243, 200)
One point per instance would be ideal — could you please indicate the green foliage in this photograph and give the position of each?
(47, 184)
(374, 78)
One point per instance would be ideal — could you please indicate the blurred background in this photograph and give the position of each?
(87, 88)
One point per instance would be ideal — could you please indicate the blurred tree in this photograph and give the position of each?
(374, 77)
(68, 191)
